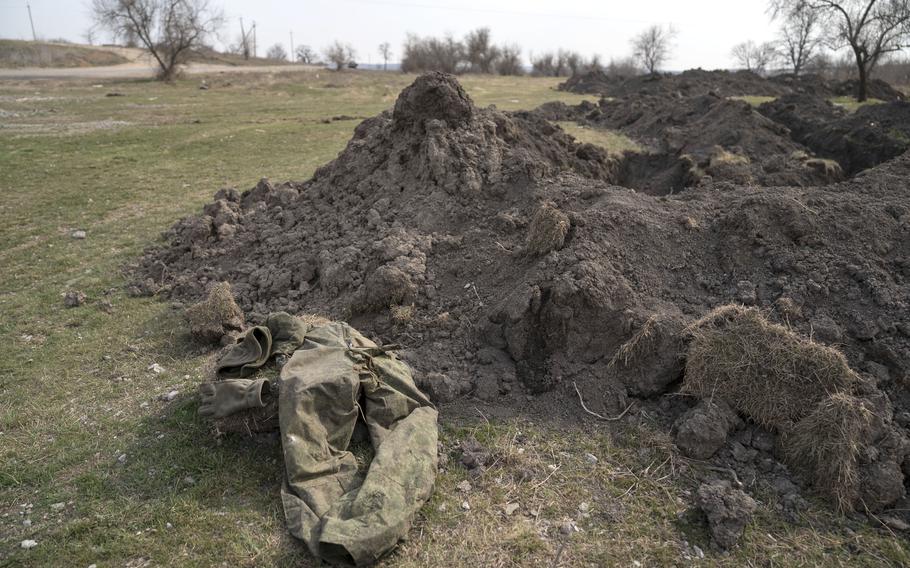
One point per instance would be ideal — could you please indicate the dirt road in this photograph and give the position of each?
(137, 70)
(140, 66)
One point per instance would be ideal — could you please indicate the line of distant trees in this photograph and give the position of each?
(476, 53)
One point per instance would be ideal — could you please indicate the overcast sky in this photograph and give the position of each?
(707, 29)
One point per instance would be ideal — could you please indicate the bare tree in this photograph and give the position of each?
(754, 57)
(277, 52)
(339, 54)
(799, 35)
(305, 54)
(652, 47)
(385, 50)
(870, 28)
(625, 67)
(90, 35)
(480, 52)
(509, 62)
(432, 54)
(574, 61)
(168, 29)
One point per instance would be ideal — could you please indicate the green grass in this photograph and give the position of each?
(851, 104)
(612, 141)
(77, 392)
(18, 53)
(754, 100)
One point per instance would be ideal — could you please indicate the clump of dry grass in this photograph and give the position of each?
(826, 445)
(216, 316)
(402, 314)
(548, 230)
(763, 370)
(729, 166)
(829, 168)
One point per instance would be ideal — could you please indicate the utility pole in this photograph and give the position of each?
(31, 21)
(254, 38)
(245, 41)
(292, 46)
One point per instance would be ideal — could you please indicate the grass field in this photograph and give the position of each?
(17, 53)
(98, 469)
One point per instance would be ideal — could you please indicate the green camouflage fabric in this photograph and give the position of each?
(282, 334)
(247, 356)
(223, 398)
(335, 377)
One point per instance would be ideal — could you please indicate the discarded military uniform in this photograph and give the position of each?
(334, 377)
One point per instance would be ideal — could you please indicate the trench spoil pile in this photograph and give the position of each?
(694, 82)
(431, 205)
(857, 141)
(691, 82)
(699, 139)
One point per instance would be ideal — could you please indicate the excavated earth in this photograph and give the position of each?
(528, 265)
(722, 83)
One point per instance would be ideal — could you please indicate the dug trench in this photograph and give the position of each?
(512, 269)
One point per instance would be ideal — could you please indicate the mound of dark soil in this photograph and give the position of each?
(858, 141)
(686, 84)
(802, 113)
(875, 89)
(431, 205)
(594, 81)
(694, 82)
(692, 139)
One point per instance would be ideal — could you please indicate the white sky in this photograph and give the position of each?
(707, 29)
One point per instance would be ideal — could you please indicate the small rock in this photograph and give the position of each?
(27, 523)
(895, 523)
(189, 480)
(741, 453)
(57, 506)
(465, 506)
(168, 526)
(698, 551)
(464, 486)
(28, 544)
(73, 299)
(510, 508)
(78, 234)
(121, 458)
(156, 368)
(590, 459)
(567, 528)
(169, 396)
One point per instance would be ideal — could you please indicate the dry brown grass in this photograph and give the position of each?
(763, 370)
(548, 230)
(826, 444)
(829, 168)
(402, 315)
(217, 315)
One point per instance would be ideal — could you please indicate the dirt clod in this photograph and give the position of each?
(728, 510)
(74, 299)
